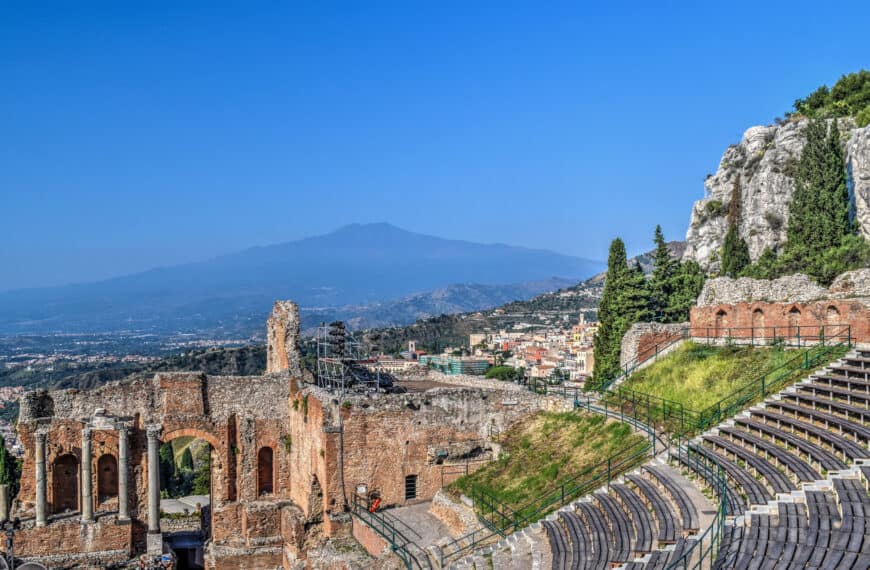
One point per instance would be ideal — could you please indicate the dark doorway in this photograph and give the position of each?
(264, 471)
(107, 477)
(65, 484)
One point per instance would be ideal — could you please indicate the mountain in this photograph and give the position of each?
(356, 265)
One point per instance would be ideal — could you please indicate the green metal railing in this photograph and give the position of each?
(386, 526)
(649, 354)
(500, 519)
(706, 546)
(673, 417)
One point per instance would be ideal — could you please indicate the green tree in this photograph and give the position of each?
(765, 267)
(605, 349)
(625, 301)
(663, 278)
(735, 252)
(10, 470)
(167, 466)
(688, 282)
(819, 218)
(186, 460)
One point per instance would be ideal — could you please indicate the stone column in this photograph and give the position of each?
(41, 436)
(87, 482)
(123, 469)
(153, 479)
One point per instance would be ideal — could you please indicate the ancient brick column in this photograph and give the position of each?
(123, 468)
(153, 432)
(41, 436)
(87, 490)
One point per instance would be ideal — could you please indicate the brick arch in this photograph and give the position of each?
(192, 432)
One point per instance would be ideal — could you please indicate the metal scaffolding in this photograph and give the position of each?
(342, 363)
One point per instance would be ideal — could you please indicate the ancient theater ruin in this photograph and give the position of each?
(287, 458)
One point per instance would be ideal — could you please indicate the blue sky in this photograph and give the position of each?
(138, 134)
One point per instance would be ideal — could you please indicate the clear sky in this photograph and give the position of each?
(138, 134)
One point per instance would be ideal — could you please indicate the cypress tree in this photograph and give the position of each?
(735, 252)
(662, 281)
(187, 460)
(605, 349)
(167, 466)
(634, 298)
(10, 470)
(819, 210)
(688, 282)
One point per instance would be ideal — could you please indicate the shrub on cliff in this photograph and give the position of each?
(849, 97)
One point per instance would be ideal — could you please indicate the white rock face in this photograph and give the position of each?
(761, 166)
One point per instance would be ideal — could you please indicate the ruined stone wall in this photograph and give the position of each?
(282, 339)
(238, 416)
(642, 341)
(740, 308)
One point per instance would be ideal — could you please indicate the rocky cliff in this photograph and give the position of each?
(757, 173)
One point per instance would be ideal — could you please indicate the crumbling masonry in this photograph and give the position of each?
(286, 458)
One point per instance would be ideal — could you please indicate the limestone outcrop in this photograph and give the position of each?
(758, 171)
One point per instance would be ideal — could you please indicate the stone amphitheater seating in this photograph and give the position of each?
(797, 467)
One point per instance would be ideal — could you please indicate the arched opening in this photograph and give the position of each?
(65, 484)
(832, 315)
(794, 320)
(107, 477)
(186, 463)
(265, 471)
(722, 323)
(758, 324)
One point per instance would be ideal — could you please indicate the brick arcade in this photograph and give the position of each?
(286, 458)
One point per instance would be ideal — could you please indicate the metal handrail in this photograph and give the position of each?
(653, 353)
(714, 533)
(564, 492)
(676, 418)
(379, 523)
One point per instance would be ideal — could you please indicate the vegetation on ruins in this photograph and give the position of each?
(506, 373)
(849, 97)
(698, 375)
(559, 445)
(821, 239)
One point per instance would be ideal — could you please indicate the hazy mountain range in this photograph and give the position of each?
(362, 271)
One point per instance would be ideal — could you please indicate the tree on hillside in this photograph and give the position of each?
(186, 460)
(625, 301)
(819, 226)
(633, 298)
(606, 346)
(688, 282)
(735, 252)
(167, 465)
(674, 287)
(10, 470)
(663, 279)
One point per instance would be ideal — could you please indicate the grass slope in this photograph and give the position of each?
(698, 376)
(546, 448)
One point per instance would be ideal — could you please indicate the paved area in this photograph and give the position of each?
(420, 526)
(173, 506)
